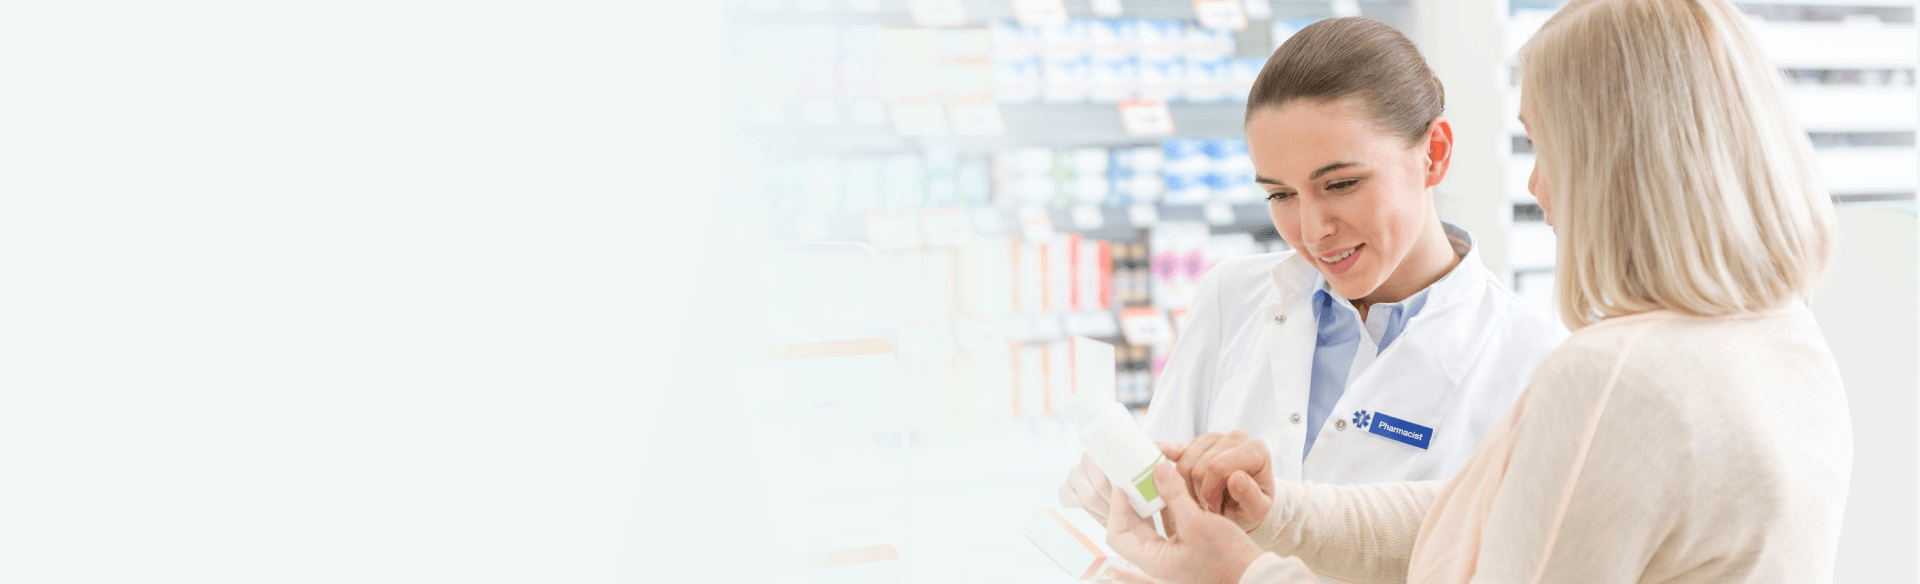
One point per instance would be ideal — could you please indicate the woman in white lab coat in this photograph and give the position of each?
(1379, 348)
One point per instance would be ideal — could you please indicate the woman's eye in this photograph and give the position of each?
(1278, 196)
(1342, 185)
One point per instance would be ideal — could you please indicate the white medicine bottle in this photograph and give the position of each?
(1118, 445)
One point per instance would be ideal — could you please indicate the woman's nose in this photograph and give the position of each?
(1316, 220)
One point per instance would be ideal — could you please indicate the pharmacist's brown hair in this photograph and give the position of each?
(1338, 58)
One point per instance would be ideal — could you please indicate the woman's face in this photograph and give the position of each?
(1536, 182)
(1350, 196)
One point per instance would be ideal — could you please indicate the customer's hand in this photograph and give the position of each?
(1087, 487)
(1200, 548)
(1230, 474)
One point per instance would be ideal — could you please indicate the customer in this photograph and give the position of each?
(1693, 429)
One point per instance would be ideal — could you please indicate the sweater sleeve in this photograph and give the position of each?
(1272, 569)
(1356, 533)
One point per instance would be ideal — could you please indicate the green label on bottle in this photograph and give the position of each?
(1146, 488)
(1143, 482)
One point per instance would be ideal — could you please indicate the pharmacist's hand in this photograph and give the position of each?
(1200, 547)
(1230, 474)
(1087, 487)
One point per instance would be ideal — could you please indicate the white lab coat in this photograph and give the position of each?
(1455, 369)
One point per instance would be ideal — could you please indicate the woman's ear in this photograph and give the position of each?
(1439, 150)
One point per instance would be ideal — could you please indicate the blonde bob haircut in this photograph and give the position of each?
(1678, 178)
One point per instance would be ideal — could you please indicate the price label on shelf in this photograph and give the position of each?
(1143, 215)
(936, 12)
(945, 227)
(1146, 118)
(919, 120)
(1092, 323)
(1035, 225)
(893, 230)
(1087, 217)
(1145, 325)
(1040, 13)
(869, 112)
(988, 220)
(927, 343)
(980, 335)
(820, 112)
(1259, 9)
(1046, 327)
(1218, 213)
(1220, 14)
(810, 226)
(976, 118)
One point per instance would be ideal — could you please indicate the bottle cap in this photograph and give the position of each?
(1084, 405)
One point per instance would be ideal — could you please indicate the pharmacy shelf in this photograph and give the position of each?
(1863, 3)
(1853, 109)
(1868, 170)
(1519, 169)
(1837, 45)
(1531, 246)
(1028, 125)
(1115, 224)
(978, 12)
(1820, 108)
(896, 13)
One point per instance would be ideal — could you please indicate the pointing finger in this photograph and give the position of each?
(1173, 450)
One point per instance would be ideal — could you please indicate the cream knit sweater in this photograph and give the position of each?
(1654, 447)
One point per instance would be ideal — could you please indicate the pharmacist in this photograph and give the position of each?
(1378, 348)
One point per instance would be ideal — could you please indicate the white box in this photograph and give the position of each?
(1073, 540)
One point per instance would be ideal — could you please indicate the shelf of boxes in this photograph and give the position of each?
(1006, 254)
(974, 12)
(989, 162)
(1027, 125)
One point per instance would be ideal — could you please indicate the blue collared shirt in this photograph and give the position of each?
(1340, 341)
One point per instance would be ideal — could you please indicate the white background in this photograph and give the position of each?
(352, 291)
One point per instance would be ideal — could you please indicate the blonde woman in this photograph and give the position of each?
(1693, 428)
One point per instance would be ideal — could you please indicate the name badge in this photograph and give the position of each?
(1402, 431)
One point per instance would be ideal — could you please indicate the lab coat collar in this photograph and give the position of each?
(1296, 279)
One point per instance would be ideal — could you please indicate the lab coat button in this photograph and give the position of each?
(1279, 319)
(1296, 417)
(1339, 424)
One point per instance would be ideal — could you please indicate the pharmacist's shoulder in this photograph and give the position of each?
(1246, 273)
(1239, 286)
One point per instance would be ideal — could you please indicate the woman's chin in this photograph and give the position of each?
(1351, 285)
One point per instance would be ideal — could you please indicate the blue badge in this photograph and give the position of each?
(1403, 431)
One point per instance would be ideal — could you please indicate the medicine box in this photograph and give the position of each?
(1073, 540)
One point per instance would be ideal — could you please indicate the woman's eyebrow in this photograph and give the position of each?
(1332, 167)
(1316, 174)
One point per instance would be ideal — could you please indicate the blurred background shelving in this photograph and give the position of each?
(986, 158)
